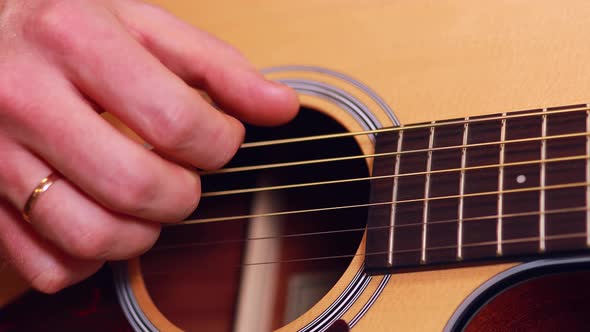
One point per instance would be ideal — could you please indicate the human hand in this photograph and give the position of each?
(62, 62)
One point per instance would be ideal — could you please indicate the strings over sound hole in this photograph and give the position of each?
(267, 242)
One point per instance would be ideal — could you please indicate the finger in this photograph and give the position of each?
(70, 219)
(115, 71)
(41, 264)
(112, 169)
(206, 62)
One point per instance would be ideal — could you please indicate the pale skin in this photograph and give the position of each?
(62, 63)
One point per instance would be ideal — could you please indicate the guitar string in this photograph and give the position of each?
(385, 154)
(402, 127)
(267, 143)
(566, 236)
(389, 176)
(362, 229)
(290, 212)
(250, 190)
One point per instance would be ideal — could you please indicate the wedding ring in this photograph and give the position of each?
(42, 187)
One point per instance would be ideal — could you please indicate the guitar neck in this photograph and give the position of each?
(496, 186)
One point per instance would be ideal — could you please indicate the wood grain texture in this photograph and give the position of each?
(428, 59)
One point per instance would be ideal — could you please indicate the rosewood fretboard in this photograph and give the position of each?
(502, 185)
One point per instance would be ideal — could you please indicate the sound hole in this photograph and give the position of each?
(281, 252)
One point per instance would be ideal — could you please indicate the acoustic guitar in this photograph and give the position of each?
(436, 179)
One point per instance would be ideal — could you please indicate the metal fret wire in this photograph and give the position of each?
(462, 191)
(542, 179)
(500, 188)
(426, 196)
(400, 140)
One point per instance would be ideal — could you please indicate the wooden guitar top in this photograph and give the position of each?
(429, 60)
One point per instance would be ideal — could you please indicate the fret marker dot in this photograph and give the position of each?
(521, 179)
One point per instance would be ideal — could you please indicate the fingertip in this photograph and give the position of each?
(277, 104)
(289, 99)
(187, 191)
(194, 193)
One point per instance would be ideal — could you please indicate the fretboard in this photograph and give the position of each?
(496, 186)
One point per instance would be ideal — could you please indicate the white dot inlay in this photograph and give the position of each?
(521, 178)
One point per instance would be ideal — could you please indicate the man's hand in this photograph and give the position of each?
(62, 62)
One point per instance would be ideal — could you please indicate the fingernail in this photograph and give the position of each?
(277, 84)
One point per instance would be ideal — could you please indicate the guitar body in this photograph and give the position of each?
(362, 66)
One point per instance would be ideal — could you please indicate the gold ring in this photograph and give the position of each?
(42, 187)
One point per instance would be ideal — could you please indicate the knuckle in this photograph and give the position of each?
(174, 128)
(13, 102)
(179, 130)
(55, 24)
(17, 109)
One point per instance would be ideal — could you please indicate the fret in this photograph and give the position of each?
(517, 177)
(443, 234)
(409, 208)
(510, 185)
(394, 197)
(379, 230)
(480, 228)
(426, 195)
(587, 177)
(563, 173)
(501, 188)
(542, 246)
(462, 191)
